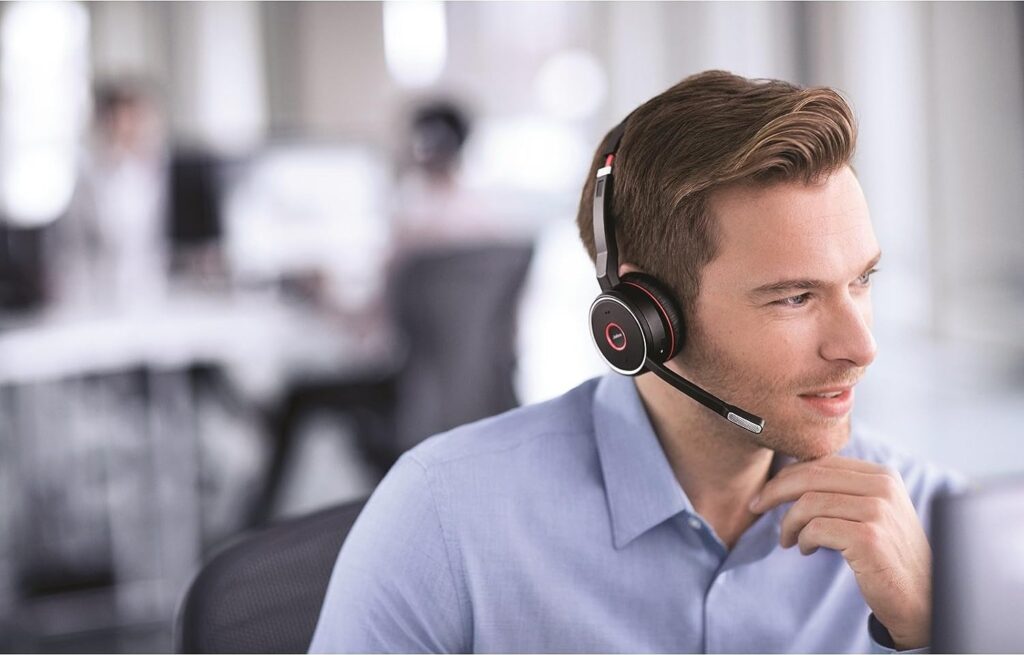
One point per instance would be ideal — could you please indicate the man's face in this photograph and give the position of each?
(767, 347)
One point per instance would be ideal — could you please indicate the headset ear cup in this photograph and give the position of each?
(616, 328)
(667, 308)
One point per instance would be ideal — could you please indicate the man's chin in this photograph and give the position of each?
(806, 443)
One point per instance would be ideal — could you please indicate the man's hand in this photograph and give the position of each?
(863, 511)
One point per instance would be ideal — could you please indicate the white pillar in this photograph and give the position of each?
(978, 103)
(220, 89)
(876, 56)
(637, 55)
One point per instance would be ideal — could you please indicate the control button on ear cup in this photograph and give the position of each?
(617, 334)
(644, 286)
(615, 337)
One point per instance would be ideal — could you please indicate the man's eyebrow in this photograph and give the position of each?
(773, 288)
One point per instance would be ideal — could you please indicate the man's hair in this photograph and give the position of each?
(711, 130)
(439, 131)
(113, 94)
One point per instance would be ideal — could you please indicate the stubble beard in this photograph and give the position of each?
(789, 428)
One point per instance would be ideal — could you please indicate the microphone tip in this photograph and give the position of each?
(744, 423)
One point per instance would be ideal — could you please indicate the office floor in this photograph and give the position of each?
(154, 638)
(325, 471)
(328, 470)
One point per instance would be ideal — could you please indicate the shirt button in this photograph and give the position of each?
(695, 523)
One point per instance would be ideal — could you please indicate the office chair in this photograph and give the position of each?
(194, 197)
(454, 309)
(23, 266)
(263, 594)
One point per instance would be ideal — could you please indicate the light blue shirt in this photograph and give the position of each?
(560, 527)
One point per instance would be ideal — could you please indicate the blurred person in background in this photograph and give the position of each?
(434, 206)
(112, 246)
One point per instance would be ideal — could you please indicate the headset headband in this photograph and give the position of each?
(606, 250)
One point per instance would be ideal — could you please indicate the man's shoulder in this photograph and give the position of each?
(564, 421)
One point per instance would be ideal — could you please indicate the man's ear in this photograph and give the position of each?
(626, 267)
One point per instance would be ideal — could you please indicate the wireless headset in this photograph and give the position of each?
(635, 323)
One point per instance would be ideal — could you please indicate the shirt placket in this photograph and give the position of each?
(720, 606)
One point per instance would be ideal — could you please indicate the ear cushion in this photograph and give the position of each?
(666, 305)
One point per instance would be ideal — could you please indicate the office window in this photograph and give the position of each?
(44, 100)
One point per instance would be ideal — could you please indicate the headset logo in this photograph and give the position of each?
(615, 336)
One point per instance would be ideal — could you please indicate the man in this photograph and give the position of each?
(623, 516)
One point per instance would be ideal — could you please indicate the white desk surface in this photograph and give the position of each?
(260, 339)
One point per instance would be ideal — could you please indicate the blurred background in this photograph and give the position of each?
(251, 252)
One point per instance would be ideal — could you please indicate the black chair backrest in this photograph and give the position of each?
(263, 593)
(456, 308)
(194, 197)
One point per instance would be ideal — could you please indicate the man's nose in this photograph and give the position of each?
(849, 335)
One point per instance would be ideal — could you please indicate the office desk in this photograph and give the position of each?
(102, 401)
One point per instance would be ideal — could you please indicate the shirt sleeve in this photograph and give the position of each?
(394, 587)
(881, 640)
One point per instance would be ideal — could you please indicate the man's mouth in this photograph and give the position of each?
(831, 403)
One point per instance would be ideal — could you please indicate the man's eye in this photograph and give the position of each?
(865, 279)
(794, 301)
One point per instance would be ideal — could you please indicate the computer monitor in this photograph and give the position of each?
(301, 206)
(978, 545)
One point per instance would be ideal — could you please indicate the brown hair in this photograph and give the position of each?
(711, 130)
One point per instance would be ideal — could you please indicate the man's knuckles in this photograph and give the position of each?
(891, 488)
(876, 510)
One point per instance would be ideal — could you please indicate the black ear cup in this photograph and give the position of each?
(636, 320)
(650, 290)
(619, 332)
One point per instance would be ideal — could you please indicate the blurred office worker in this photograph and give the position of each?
(625, 516)
(114, 246)
(434, 207)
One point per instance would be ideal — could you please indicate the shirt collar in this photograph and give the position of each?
(641, 488)
(639, 483)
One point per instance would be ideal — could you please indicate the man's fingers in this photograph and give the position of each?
(814, 504)
(835, 461)
(781, 489)
(825, 532)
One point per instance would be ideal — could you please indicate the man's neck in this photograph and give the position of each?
(719, 470)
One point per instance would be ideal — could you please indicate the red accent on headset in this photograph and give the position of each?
(671, 332)
(608, 160)
(608, 337)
